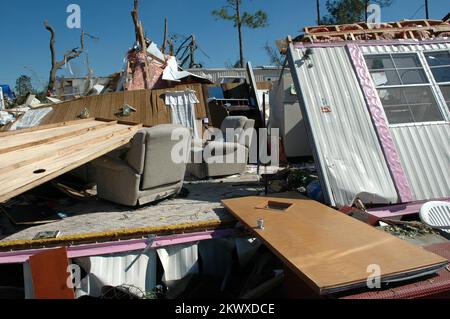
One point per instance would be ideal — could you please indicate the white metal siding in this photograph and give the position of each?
(132, 268)
(425, 155)
(386, 49)
(347, 147)
(261, 74)
(424, 148)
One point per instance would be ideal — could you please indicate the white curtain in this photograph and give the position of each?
(182, 105)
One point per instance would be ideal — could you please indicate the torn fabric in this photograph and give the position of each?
(182, 106)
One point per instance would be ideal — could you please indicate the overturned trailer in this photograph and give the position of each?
(376, 109)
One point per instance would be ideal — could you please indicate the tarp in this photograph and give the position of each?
(2, 101)
(7, 92)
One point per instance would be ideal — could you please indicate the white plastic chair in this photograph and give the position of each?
(436, 215)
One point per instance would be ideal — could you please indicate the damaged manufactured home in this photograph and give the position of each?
(89, 184)
(376, 109)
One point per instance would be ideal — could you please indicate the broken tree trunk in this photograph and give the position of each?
(166, 30)
(68, 56)
(138, 28)
(172, 47)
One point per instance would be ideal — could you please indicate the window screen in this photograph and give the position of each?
(404, 88)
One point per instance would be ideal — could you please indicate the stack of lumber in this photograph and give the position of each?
(31, 157)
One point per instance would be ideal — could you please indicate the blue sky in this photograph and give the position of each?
(25, 48)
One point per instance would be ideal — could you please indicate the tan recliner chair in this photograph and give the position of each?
(145, 172)
(226, 156)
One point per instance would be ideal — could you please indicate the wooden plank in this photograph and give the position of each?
(60, 169)
(330, 251)
(51, 135)
(42, 151)
(49, 275)
(25, 178)
(43, 127)
(25, 168)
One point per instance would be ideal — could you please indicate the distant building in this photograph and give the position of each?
(223, 75)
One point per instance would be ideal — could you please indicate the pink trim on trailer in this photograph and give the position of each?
(300, 45)
(399, 210)
(381, 124)
(17, 257)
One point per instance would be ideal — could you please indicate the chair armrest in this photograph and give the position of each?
(112, 164)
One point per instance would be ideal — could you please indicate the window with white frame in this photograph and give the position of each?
(439, 63)
(404, 88)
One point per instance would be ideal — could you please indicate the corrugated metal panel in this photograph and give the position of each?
(383, 49)
(133, 268)
(179, 261)
(425, 155)
(424, 148)
(346, 145)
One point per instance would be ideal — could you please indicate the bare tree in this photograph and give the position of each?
(68, 56)
(166, 30)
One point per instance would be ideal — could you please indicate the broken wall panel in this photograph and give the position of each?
(424, 152)
(346, 147)
(149, 105)
(423, 147)
(178, 261)
(135, 269)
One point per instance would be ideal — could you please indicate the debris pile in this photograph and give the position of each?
(402, 30)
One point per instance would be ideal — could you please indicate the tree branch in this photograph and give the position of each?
(52, 42)
(68, 56)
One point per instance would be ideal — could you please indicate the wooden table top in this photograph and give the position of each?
(329, 250)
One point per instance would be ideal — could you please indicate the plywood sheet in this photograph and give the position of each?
(32, 157)
(330, 251)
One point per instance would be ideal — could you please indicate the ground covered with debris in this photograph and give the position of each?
(201, 204)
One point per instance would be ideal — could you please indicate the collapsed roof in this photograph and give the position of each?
(402, 30)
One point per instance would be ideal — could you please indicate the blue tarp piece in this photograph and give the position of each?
(7, 92)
